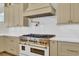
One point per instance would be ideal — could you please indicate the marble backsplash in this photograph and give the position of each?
(47, 25)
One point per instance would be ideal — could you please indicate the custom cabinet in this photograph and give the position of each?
(23, 20)
(6, 16)
(75, 12)
(11, 16)
(1, 44)
(53, 48)
(14, 15)
(12, 45)
(39, 9)
(68, 49)
(67, 13)
(63, 13)
(59, 48)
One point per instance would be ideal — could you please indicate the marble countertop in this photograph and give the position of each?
(10, 35)
(68, 39)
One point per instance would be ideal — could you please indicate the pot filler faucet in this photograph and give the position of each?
(37, 22)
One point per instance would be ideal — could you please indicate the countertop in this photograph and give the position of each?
(68, 39)
(10, 35)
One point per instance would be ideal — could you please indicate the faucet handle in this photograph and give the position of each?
(37, 23)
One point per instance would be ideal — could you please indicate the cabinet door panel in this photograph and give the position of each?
(75, 12)
(59, 48)
(12, 45)
(69, 49)
(16, 15)
(1, 44)
(53, 48)
(6, 16)
(20, 14)
(13, 49)
(11, 16)
(63, 13)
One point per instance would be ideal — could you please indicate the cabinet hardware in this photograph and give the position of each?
(70, 21)
(6, 5)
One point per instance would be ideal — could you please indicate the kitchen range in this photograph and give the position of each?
(37, 19)
(34, 45)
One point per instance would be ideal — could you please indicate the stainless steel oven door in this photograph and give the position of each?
(38, 51)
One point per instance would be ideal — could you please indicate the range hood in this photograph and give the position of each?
(40, 12)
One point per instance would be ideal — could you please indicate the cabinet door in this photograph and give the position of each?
(53, 48)
(1, 44)
(13, 49)
(11, 16)
(20, 14)
(19, 19)
(69, 49)
(16, 15)
(23, 20)
(12, 44)
(59, 48)
(6, 16)
(75, 12)
(63, 13)
(8, 46)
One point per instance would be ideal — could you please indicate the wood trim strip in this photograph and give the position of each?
(38, 8)
(8, 53)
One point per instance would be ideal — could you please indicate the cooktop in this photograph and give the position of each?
(39, 35)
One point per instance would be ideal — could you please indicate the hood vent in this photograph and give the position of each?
(47, 10)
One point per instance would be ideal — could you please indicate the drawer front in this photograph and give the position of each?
(71, 49)
(13, 41)
(53, 48)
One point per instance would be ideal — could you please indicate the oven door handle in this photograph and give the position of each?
(38, 46)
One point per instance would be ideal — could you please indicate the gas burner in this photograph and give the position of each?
(37, 39)
(39, 35)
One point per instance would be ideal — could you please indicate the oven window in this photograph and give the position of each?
(23, 47)
(37, 51)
